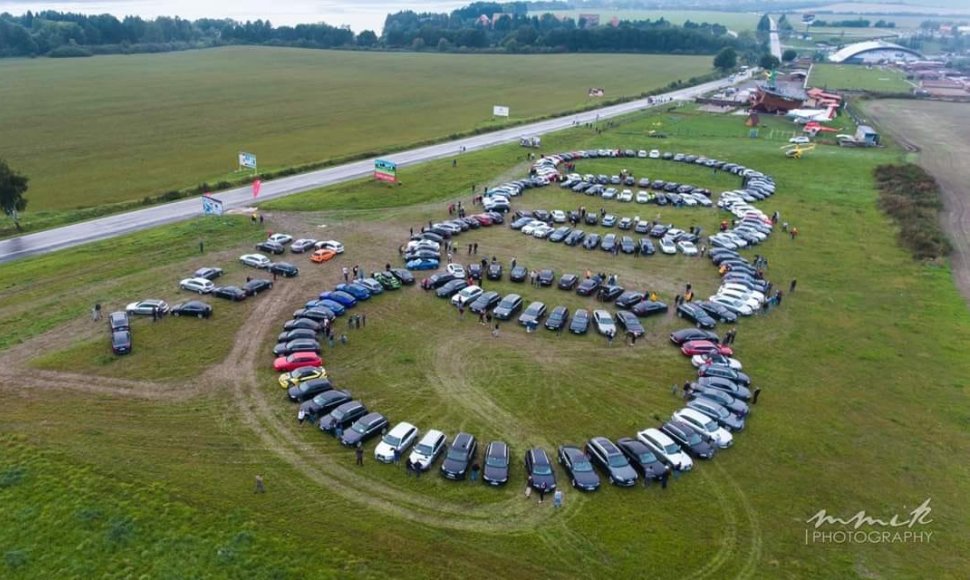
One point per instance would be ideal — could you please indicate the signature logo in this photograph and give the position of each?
(897, 528)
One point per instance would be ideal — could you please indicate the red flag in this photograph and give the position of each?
(256, 185)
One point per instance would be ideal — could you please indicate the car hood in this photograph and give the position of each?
(421, 460)
(350, 437)
(586, 480)
(384, 450)
(497, 474)
(454, 466)
(549, 480)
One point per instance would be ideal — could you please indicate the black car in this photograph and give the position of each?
(568, 281)
(234, 293)
(342, 417)
(608, 243)
(722, 398)
(693, 441)
(271, 247)
(719, 413)
(558, 318)
(518, 274)
(484, 302)
(507, 308)
(298, 345)
(696, 314)
(718, 312)
(118, 321)
(521, 221)
(257, 285)
(539, 470)
(302, 323)
(580, 323)
(659, 231)
(121, 341)
(589, 286)
(592, 219)
(724, 372)
(287, 336)
(308, 390)
(533, 314)
(610, 293)
(728, 386)
(494, 271)
(629, 299)
(284, 269)
(208, 273)
(406, 277)
(630, 322)
(317, 313)
(546, 277)
(683, 335)
(495, 470)
(646, 247)
(578, 467)
(626, 245)
(648, 308)
(612, 461)
(560, 234)
(451, 288)
(195, 308)
(363, 429)
(436, 281)
(474, 271)
(574, 237)
(642, 458)
(460, 455)
(592, 241)
(323, 403)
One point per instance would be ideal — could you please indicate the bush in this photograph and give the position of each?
(912, 197)
(69, 51)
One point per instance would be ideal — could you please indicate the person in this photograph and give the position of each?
(397, 456)
(777, 297)
(793, 232)
(343, 339)
(94, 315)
(330, 340)
(408, 466)
(363, 320)
(201, 247)
(688, 389)
(495, 331)
(791, 287)
(754, 396)
(475, 248)
(664, 477)
(461, 312)
(454, 163)
(528, 489)
(253, 218)
(359, 452)
(474, 472)
(274, 275)
(609, 337)
(557, 499)
(653, 296)
(260, 486)
(542, 491)
(346, 273)
(154, 313)
(260, 218)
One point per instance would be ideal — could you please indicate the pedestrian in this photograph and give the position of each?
(343, 339)
(481, 318)
(664, 477)
(469, 249)
(260, 486)
(488, 318)
(408, 466)
(356, 268)
(794, 232)
(363, 320)
(754, 396)
(412, 232)
(275, 275)
(346, 274)
(557, 499)
(542, 491)
(474, 471)
(791, 287)
(330, 340)
(454, 163)
(260, 218)
(154, 313)
(687, 390)
(201, 246)
(609, 337)
(450, 257)
(495, 331)
(513, 262)
(475, 248)
(359, 452)
(777, 297)
(528, 489)
(461, 312)
(253, 218)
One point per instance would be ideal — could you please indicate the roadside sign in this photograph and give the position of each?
(385, 170)
(247, 160)
(211, 205)
(500, 111)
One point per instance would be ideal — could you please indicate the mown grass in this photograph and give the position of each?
(863, 370)
(847, 77)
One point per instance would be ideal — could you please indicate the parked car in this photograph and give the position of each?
(297, 345)
(588, 286)
(578, 468)
(495, 463)
(192, 308)
(546, 277)
(271, 247)
(558, 318)
(460, 456)
(724, 372)
(612, 461)
(690, 439)
(306, 390)
(451, 288)
(342, 417)
(281, 239)
(643, 460)
(630, 323)
(395, 442)
(121, 341)
(683, 335)
(508, 307)
(118, 321)
(284, 269)
(648, 308)
(257, 285)
(728, 386)
(485, 302)
(427, 450)
(692, 347)
(199, 285)
(724, 418)
(666, 448)
(300, 375)
(368, 426)
(296, 360)
(208, 273)
(723, 398)
(255, 261)
(538, 468)
(533, 314)
(403, 275)
(695, 314)
(604, 322)
(333, 245)
(387, 280)
(466, 296)
(518, 274)
(147, 307)
(580, 322)
(320, 256)
(721, 437)
(302, 245)
(494, 271)
(422, 264)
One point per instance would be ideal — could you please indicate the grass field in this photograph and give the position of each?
(864, 406)
(118, 128)
(859, 78)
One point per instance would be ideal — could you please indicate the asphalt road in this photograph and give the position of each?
(773, 39)
(123, 223)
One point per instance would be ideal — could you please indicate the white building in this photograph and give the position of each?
(874, 52)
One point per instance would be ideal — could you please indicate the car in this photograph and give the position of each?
(546, 277)
(695, 314)
(405, 277)
(456, 270)
(297, 345)
(718, 312)
(730, 387)
(625, 196)
(625, 223)
(372, 285)
(302, 323)
(118, 321)
(255, 261)
(320, 256)
(612, 461)
(199, 285)
(724, 418)
(557, 318)
(485, 302)
(643, 460)
(568, 281)
(518, 274)
(271, 247)
(363, 429)
(451, 288)
(692, 347)
(610, 293)
(281, 239)
(574, 237)
(626, 245)
(608, 243)
(194, 308)
(474, 271)
(121, 341)
(630, 323)
(648, 308)
(427, 450)
(560, 234)
(354, 289)
(686, 247)
(301, 374)
(604, 322)
(589, 286)
(690, 439)
(466, 296)
(538, 468)
(395, 442)
(387, 280)
(558, 216)
(208, 273)
(592, 219)
(316, 313)
(800, 140)
(435, 281)
(460, 456)
(642, 196)
(580, 322)
(257, 285)
(495, 470)
(306, 390)
(343, 298)
(683, 335)
(667, 246)
(147, 307)
(533, 314)
(284, 269)
(508, 307)
(322, 404)
(494, 271)
(301, 245)
(422, 264)
(666, 448)
(646, 247)
(342, 417)
(333, 245)
(608, 221)
(704, 424)
(296, 360)
(733, 304)
(578, 468)
(736, 406)
(296, 334)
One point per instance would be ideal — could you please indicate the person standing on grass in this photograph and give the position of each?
(359, 452)
(754, 396)
(557, 499)
(664, 477)
(260, 486)
(542, 491)
(791, 287)
(609, 337)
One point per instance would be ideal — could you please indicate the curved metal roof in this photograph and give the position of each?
(858, 48)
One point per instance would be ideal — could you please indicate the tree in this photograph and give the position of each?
(764, 25)
(726, 59)
(769, 62)
(367, 38)
(789, 55)
(13, 186)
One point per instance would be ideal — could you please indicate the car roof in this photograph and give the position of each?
(497, 447)
(431, 436)
(538, 455)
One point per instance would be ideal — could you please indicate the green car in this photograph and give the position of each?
(388, 281)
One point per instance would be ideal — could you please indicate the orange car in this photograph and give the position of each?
(323, 255)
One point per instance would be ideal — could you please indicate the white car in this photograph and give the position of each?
(456, 270)
(800, 139)
(643, 197)
(721, 436)
(200, 285)
(604, 322)
(333, 245)
(642, 154)
(699, 360)
(654, 154)
(688, 200)
(743, 290)
(625, 195)
(423, 245)
(428, 449)
(559, 216)
(702, 199)
(667, 246)
(609, 193)
(256, 261)
(664, 446)
(396, 440)
(687, 248)
(744, 297)
(732, 304)
(466, 296)
(530, 228)
(281, 239)
(758, 235)
(543, 231)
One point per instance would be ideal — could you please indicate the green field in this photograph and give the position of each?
(864, 371)
(846, 77)
(736, 21)
(118, 128)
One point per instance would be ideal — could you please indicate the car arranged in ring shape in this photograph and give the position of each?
(578, 467)
(363, 429)
(147, 307)
(428, 449)
(342, 417)
(538, 467)
(395, 442)
(460, 454)
(612, 461)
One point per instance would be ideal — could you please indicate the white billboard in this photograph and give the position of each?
(247, 160)
(500, 111)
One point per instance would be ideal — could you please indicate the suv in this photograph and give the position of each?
(507, 308)
(394, 443)
(692, 440)
(427, 450)
(118, 321)
(539, 468)
(459, 457)
(666, 448)
(611, 460)
(366, 427)
(496, 463)
(343, 416)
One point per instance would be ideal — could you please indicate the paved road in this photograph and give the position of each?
(115, 225)
(773, 39)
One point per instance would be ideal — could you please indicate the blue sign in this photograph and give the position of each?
(247, 160)
(211, 206)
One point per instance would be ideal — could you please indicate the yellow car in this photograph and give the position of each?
(301, 375)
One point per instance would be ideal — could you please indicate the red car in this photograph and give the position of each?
(693, 347)
(483, 219)
(285, 364)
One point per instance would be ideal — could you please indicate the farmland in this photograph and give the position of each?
(839, 77)
(118, 128)
(863, 369)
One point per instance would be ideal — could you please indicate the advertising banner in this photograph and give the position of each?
(385, 170)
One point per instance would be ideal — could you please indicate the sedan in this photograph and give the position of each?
(192, 308)
(690, 439)
(356, 290)
(667, 246)
(557, 318)
(323, 403)
(646, 247)
(200, 285)
(121, 342)
(612, 461)
(255, 261)
(320, 256)
(306, 390)
(578, 467)
(705, 425)
(591, 242)
(297, 345)
(342, 298)
(257, 285)
(333, 245)
(728, 386)
(724, 418)
(518, 274)
(301, 245)
(403, 275)
(284, 269)
(642, 458)
(281, 239)
(494, 271)
(271, 247)
(604, 322)
(648, 308)
(546, 277)
(696, 314)
(686, 247)
(507, 308)
(718, 311)
(485, 302)
(589, 286)
(395, 442)
(234, 293)
(692, 347)
(736, 406)
(388, 280)
(630, 323)
(301, 375)
(580, 323)
(723, 372)
(533, 314)
(422, 264)
(699, 360)
(496, 463)
(296, 360)
(208, 273)
(683, 335)
(342, 417)
(539, 470)
(666, 448)
(147, 307)
(363, 429)
(451, 288)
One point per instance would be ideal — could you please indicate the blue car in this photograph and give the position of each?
(346, 300)
(333, 305)
(422, 264)
(356, 290)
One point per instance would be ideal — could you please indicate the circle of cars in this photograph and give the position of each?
(719, 397)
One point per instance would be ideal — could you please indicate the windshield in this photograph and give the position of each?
(541, 469)
(618, 461)
(337, 414)
(693, 438)
(672, 448)
(457, 454)
(647, 457)
(582, 465)
(495, 461)
(360, 428)
(392, 441)
(423, 449)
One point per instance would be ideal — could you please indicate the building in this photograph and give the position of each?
(874, 52)
(777, 98)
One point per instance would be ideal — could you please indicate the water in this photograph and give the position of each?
(357, 14)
